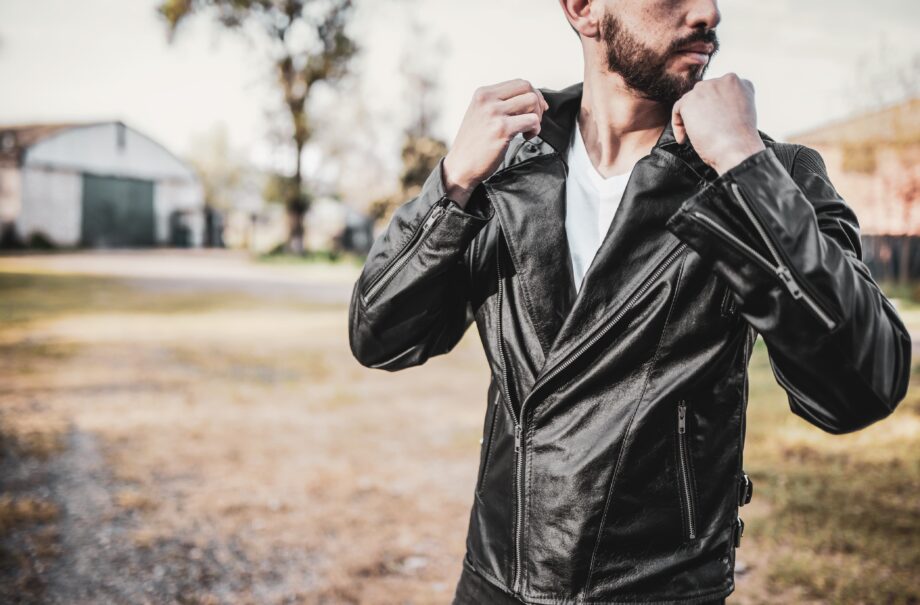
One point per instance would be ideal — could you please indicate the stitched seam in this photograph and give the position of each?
(795, 159)
(688, 600)
(691, 477)
(621, 453)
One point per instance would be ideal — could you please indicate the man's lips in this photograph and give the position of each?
(699, 52)
(704, 48)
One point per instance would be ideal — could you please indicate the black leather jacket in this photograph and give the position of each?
(611, 463)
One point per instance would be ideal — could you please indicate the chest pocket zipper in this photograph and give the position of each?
(685, 474)
(489, 437)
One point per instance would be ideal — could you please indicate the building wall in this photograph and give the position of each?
(51, 191)
(51, 205)
(875, 197)
(179, 196)
(10, 187)
(101, 149)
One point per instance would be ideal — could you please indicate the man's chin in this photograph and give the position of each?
(684, 81)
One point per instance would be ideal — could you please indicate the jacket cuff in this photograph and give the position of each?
(713, 201)
(425, 237)
(460, 224)
(754, 220)
(762, 179)
(477, 207)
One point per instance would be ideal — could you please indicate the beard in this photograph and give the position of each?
(645, 70)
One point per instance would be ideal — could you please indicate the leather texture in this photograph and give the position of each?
(614, 430)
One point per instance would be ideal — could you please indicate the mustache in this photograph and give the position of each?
(708, 36)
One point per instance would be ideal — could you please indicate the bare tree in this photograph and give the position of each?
(421, 148)
(308, 44)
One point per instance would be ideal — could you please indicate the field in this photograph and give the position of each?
(192, 428)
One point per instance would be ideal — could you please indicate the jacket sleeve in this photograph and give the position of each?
(411, 300)
(788, 246)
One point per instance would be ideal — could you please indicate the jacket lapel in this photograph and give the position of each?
(529, 199)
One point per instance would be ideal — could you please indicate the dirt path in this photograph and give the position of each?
(207, 438)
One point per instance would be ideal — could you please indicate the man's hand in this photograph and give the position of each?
(496, 115)
(720, 118)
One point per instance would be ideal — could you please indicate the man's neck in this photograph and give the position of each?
(617, 126)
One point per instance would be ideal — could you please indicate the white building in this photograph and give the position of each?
(96, 184)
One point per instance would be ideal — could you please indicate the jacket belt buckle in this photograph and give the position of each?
(746, 489)
(738, 531)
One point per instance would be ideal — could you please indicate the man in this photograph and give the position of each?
(620, 244)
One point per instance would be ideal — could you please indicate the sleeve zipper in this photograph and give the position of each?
(404, 255)
(779, 269)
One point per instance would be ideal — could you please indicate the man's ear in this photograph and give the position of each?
(578, 14)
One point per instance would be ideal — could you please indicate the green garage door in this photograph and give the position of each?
(117, 212)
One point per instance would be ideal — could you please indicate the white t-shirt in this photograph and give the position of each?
(591, 201)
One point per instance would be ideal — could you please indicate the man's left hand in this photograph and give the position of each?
(719, 117)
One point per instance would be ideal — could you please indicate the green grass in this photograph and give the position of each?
(28, 297)
(311, 258)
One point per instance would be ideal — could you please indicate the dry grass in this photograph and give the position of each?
(15, 512)
(844, 513)
(253, 460)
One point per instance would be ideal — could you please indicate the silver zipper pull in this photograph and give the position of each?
(682, 417)
(786, 276)
(517, 438)
(432, 218)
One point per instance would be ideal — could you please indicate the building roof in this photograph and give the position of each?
(16, 138)
(895, 124)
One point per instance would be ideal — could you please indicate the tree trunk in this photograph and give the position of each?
(904, 267)
(297, 207)
(296, 232)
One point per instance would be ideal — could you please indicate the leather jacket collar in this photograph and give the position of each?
(559, 121)
(535, 231)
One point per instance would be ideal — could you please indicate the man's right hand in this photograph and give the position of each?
(496, 115)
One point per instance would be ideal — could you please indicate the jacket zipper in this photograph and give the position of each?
(434, 214)
(518, 421)
(684, 463)
(780, 270)
(488, 446)
(514, 419)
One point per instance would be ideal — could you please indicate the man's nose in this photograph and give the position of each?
(703, 14)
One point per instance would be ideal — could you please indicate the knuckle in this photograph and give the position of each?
(499, 127)
(480, 94)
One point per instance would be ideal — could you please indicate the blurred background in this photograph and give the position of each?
(187, 192)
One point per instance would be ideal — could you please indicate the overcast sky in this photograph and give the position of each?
(109, 59)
